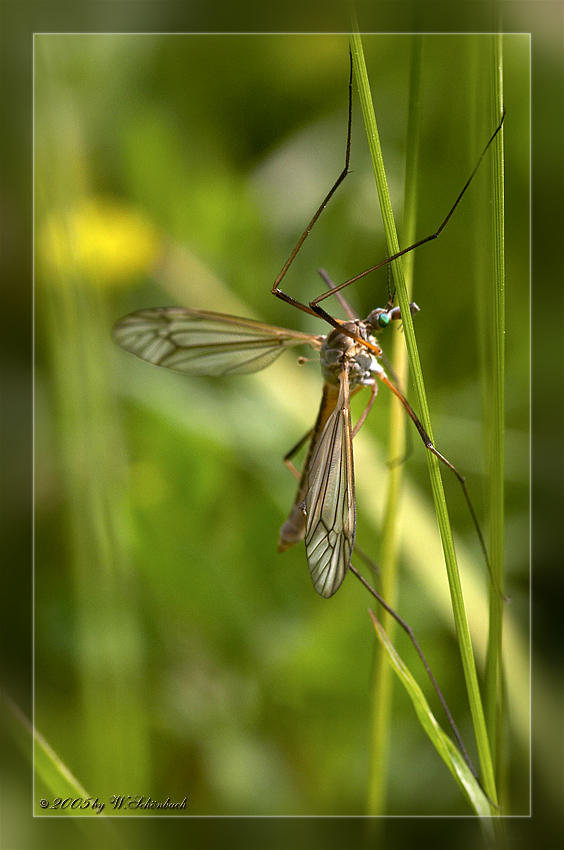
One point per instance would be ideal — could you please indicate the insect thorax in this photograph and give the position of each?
(338, 348)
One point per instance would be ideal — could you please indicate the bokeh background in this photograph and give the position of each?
(175, 650)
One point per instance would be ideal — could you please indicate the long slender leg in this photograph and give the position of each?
(276, 288)
(429, 445)
(315, 303)
(294, 450)
(323, 314)
(409, 631)
(314, 308)
(367, 409)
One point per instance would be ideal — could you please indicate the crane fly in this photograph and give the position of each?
(200, 342)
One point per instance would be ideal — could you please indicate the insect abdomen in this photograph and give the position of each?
(293, 529)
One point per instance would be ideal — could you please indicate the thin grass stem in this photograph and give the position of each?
(383, 678)
(467, 656)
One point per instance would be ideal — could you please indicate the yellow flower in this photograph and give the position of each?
(101, 241)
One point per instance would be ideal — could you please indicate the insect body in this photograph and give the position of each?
(199, 342)
(324, 509)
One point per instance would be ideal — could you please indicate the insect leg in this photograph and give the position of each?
(275, 287)
(294, 450)
(409, 631)
(367, 409)
(315, 303)
(429, 445)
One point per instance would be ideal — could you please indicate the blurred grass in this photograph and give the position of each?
(164, 615)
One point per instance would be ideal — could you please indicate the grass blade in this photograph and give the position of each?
(467, 656)
(440, 740)
(382, 680)
(56, 777)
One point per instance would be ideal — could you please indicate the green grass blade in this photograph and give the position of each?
(382, 678)
(440, 740)
(56, 777)
(468, 661)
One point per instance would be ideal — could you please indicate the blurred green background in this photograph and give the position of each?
(176, 653)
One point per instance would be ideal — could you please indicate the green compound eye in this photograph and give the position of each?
(383, 320)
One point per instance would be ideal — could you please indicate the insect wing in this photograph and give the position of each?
(198, 342)
(330, 503)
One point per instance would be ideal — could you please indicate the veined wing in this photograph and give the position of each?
(330, 504)
(199, 342)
